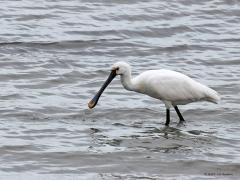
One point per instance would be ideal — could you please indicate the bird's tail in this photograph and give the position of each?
(212, 95)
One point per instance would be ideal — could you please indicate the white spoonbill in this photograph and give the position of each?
(171, 87)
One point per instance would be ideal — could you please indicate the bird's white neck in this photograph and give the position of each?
(126, 80)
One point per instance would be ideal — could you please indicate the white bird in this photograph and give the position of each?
(171, 87)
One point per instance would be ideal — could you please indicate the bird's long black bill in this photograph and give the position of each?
(95, 99)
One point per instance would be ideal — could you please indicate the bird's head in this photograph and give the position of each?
(119, 68)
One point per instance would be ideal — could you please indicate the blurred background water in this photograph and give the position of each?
(55, 54)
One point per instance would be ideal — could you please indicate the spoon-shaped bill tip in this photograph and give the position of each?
(92, 104)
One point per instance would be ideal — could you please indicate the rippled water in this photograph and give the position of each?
(55, 54)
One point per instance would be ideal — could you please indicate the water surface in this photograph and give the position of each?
(54, 55)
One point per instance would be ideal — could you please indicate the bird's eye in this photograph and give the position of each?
(117, 68)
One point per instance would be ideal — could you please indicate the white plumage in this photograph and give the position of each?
(173, 88)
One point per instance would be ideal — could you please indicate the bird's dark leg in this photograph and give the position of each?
(167, 117)
(179, 114)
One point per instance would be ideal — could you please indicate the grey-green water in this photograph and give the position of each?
(54, 55)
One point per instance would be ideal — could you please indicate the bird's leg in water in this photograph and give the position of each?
(179, 114)
(167, 117)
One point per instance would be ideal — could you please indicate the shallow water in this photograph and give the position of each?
(54, 55)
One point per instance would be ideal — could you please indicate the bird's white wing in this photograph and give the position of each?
(170, 86)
